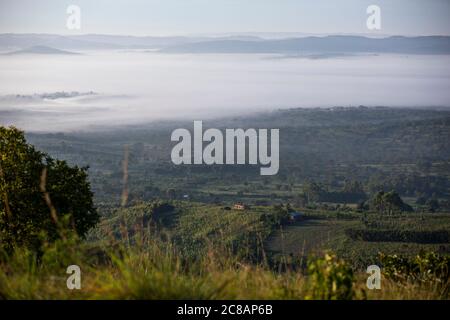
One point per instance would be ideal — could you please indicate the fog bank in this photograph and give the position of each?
(139, 86)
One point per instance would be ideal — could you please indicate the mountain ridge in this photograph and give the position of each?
(41, 50)
(233, 44)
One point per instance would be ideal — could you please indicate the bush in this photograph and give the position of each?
(424, 267)
(330, 279)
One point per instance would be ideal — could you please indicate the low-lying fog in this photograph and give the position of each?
(136, 87)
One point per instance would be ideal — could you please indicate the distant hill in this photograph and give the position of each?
(42, 50)
(312, 45)
(90, 41)
(329, 44)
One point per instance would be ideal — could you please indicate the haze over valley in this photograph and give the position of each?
(134, 84)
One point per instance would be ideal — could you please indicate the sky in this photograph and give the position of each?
(187, 17)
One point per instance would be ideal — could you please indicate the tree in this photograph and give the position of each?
(355, 187)
(281, 213)
(313, 191)
(40, 195)
(388, 202)
(433, 205)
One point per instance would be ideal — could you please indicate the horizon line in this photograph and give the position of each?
(260, 34)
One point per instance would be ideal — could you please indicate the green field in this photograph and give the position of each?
(321, 231)
(196, 228)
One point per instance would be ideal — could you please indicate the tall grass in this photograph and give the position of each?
(153, 269)
(149, 270)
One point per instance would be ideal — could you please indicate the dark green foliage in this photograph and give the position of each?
(313, 191)
(351, 192)
(423, 267)
(439, 236)
(278, 216)
(38, 195)
(432, 205)
(388, 203)
(418, 185)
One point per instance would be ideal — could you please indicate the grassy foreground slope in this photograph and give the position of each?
(148, 271)
(158, 274)
(189, 252)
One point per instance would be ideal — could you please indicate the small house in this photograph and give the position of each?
(240, 206)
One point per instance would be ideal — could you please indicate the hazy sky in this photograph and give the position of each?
(171, 17)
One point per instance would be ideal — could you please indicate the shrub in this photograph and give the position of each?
(330, 279)
(424, 267)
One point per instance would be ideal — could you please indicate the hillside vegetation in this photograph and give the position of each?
(357, 186)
